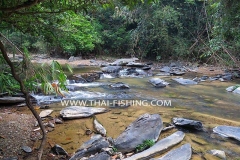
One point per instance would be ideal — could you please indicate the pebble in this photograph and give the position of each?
(26, 149)
(113, 117)
(58, 121)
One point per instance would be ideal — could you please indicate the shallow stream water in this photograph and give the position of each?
(207, 102)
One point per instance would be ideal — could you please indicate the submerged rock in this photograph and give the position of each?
(185, 81)
(45, 113)
(73, 112)
(91, 148)
(192, 124)
(157, 82)
(146, 127)
(10, 100)
(218, 153)
(99, 128)
(57, 149)
(160, 146)
(119, 85)
(228, 131)
(182, 153)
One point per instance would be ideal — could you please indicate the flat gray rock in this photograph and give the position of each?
(146, 127)
(159, 147)
(157, 82)
(185, 81)
(10, 100)
(73, 112)
(233, 89)
(188, 123)
(182, 153)
(228, 131)
(45, 113)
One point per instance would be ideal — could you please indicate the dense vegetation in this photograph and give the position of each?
(196, 30)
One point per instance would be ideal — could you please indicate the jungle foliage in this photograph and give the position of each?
(196, 30)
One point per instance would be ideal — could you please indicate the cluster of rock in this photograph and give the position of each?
(146, 127)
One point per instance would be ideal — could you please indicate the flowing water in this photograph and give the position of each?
(207, 102)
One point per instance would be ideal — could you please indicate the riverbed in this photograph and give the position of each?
(207, 102)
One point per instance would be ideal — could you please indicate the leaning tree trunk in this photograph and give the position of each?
(27, 97)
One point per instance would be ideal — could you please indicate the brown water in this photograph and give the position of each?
(207, 102)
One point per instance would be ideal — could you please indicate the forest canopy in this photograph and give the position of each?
(206, 31)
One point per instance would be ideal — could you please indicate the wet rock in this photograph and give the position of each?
(165, 69)
(177, 73)
(160, 146)
(44, 107)
(71, 59)
(157, 82)
(111, 69)
(73, 112)
(92, 148)
(228, 131)
(227, 77)
(123, 61)
(45, 113)
(218, 153)
(26, 149)
(182, 153)
(11, 100)
(188, 123)
(184, 81)
(101, 156)
(146, 68)
(99, 128)
(57, 149)
(146, 127)
(119, 85)
(133, 64)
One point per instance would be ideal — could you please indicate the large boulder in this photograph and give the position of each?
(146, 127)
(228, 131)
(73, 112)
(160, 146)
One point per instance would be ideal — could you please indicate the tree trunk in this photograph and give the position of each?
(27, 98)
